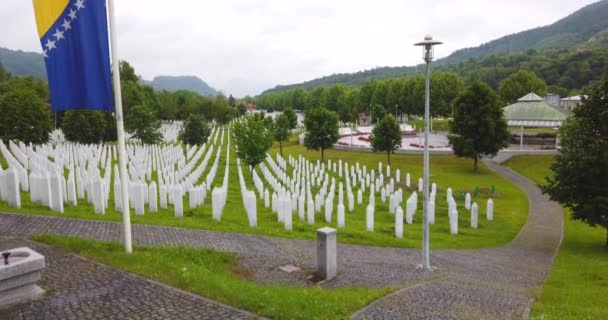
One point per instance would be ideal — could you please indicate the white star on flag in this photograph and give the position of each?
(72, 14)
(79, 4)
(58, 34)
(44, 53)
(66, 25)
(50, 44)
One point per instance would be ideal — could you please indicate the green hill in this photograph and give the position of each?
(175, 83)
(22, 63)
(583, 30)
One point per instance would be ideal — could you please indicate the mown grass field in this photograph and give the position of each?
(209, 274)
(577, 286)
(511, 205)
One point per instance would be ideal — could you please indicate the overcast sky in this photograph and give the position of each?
(247, 46)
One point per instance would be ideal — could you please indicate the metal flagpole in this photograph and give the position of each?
(120, 130)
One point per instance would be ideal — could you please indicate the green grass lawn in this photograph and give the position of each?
(437, 124)
(577, 286)
(511, 205)
(209, 273)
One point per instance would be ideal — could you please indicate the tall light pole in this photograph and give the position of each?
(427, 51)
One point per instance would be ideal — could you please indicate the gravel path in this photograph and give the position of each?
(81, 289)
(495, 283)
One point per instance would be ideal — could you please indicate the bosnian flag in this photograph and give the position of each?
(74, 38)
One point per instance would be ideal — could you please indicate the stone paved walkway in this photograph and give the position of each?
(493, 283)
(81, 289)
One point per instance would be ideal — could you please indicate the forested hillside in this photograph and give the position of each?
(582, 31)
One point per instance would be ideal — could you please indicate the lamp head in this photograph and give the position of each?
(427, 48)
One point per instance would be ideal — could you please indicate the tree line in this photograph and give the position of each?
(25, 106)
(400, 96)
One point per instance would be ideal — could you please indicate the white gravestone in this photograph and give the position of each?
(399, 223)
(474, 215)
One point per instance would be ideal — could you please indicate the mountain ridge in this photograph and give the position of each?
(24, 63)
(584, 29)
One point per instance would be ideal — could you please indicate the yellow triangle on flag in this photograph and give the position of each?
(47, 12)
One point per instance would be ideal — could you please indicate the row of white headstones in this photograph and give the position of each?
(290, 194)
(32, 166)
(179, 172)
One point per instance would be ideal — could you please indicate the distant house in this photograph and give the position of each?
(534, 111)
(570, 103)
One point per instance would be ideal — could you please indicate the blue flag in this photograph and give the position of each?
(74, 38)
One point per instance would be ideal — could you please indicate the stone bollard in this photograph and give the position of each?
(326, 253)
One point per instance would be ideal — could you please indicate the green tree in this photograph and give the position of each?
(84, 126)
(519, 84)
(280, 130)
(4, 75)
(127, 72)
(24, 117)
(445, 87)
(144, 125)
(321, 129)
(291, 117)
(581, 166)
(253, 139)
(378, 112)
(386, 136)
(478, 127)
(196, 130)
(241, 108)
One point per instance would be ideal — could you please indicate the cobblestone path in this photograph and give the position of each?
(81, 289)
(495, 283)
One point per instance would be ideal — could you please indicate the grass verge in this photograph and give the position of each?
(208, 273)
(578, 282)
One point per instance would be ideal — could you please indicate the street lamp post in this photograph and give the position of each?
(427, 50)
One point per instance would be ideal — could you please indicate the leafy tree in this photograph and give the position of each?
(196, 130)
(231, 101)
(241, 108)
(253, 139)
(4, 75)
(24, 117)
(445, 87)
(25, 83)
(291, 117)
(581, 166)
(143, 124)
(386, 136)
(127, 72)
(378, 112)
(321, 129)
(519, 84)
(280, 130)
(380, 94)
(84, 126)
(478, 127)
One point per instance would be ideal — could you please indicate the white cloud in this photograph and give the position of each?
(246, 46)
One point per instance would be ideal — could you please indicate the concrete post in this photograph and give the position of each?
(326, 253)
